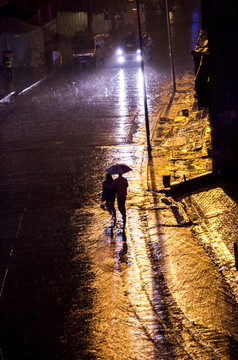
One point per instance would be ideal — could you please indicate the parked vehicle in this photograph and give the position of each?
(89, 50)
(129, 50)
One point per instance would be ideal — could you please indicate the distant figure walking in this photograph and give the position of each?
(120, 184)
(8, 65)
(108, 195)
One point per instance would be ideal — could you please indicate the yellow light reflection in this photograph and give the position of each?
(122, 103)
(140, 82)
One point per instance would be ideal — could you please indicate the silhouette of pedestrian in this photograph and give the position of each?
(120, 184)
(108, 195)
(8, 65)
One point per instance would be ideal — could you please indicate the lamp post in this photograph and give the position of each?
(144, 85)
(170, 46)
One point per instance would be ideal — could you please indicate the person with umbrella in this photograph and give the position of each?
(120, 184)
(7, 61)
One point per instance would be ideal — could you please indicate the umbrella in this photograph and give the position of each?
(7, 52)
(118, 169)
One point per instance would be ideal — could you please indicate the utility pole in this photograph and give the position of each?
(90, 11)
(144, 84)
(170, 46)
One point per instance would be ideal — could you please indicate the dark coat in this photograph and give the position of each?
(108, 194)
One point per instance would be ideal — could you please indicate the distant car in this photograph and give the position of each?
(129, 49)
(89, 50)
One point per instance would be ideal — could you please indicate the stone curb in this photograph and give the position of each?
(191, 185)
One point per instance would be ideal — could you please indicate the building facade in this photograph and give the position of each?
(220, 20)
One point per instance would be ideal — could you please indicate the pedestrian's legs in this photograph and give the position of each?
(9, 72)
(121, 207)
(111, 209)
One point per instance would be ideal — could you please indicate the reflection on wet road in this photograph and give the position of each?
(56, 141)
(73, 286)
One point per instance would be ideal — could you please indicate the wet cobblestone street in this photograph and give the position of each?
(74, 285)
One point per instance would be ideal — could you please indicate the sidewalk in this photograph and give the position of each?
(181, 148)
(180, 139)
(21, 80)
(25, 77)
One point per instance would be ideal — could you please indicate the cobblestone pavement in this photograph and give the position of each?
(181, 145)
(215, 210)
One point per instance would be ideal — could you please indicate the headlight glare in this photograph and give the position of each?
(119, 52)
(121, 59)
